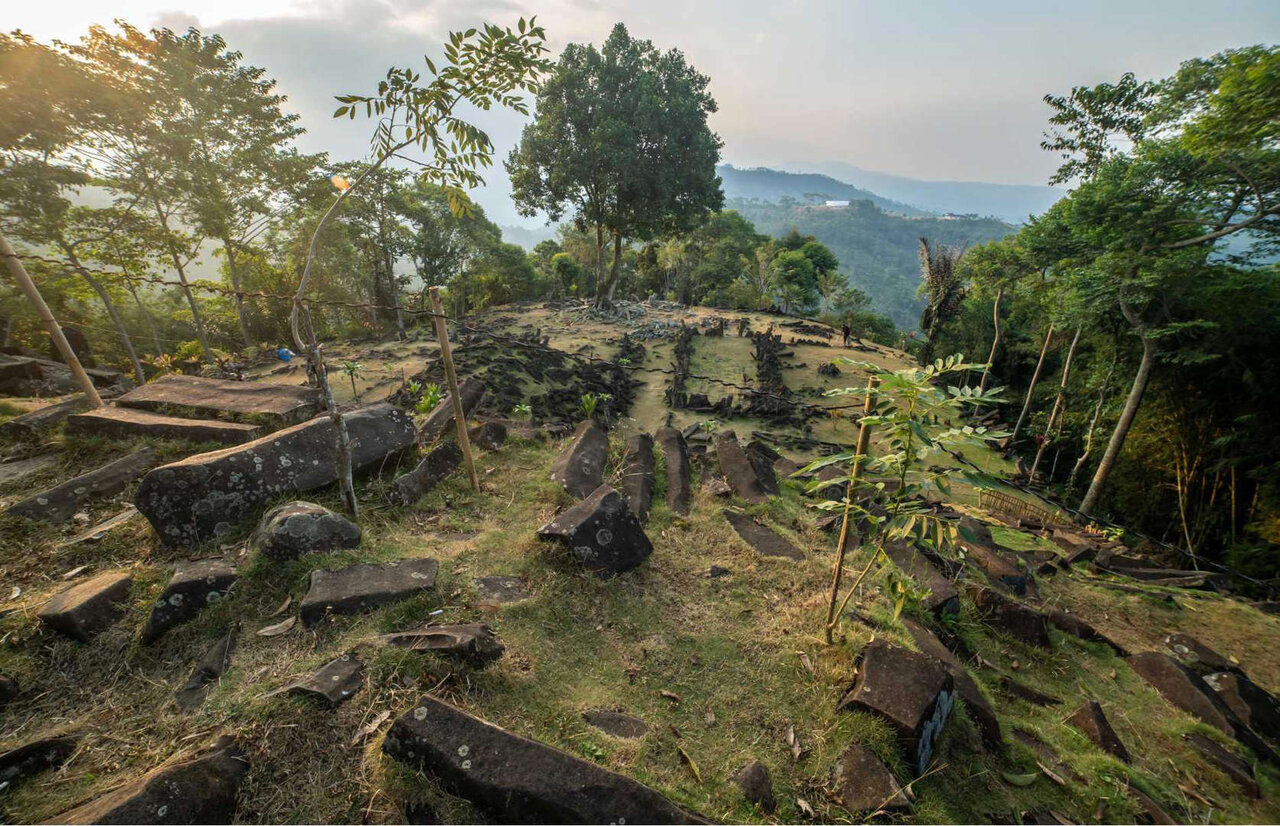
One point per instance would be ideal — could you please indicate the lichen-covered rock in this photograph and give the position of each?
(579, 468)
(35, 757)
(432, 470)
(602, 533)
(473, 643)
(335, 683)
(488, 435)
(298, 528)
(193, 586)
(359, 588)
(89, 607)
(60, 502)
(207, 495)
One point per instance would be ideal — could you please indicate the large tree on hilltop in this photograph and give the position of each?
(621, 141)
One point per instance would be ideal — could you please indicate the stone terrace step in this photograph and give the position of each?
(126, 422)
(200, 397)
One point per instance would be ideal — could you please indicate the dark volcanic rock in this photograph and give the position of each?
(580, 466)
(499, 590)
(617, 724)
(863, 783)
(1197, 656)
(981, 550)
(1239, 770)
(360, 588)
(637, 475)
(1078, 628)
(518, 780)
(1078, 547)
(488, 436)
(474, 643)
(193, 586)
(298, 528)
(1151, 811)
(756, 786)
(763, 539)
(440, 421)
(335, 683)
(199, 397)
(34, 424)
(201, 790)
(1093, 724)
(127, 423)
(762, 458)
(737, 468)
(943, 598)
(35, 757)
(8, 689)
(602, 533)
(1045, 754)
(208, 670)
(210, 494)
(1181, 687)
(89, 607)
(431, 471)
(975, 702)
(1027, 694)
(679, 477)
(912, 692)
(1022, 622)
(61, 502)
(1253, 704)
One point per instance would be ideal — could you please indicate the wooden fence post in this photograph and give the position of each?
(459, 415)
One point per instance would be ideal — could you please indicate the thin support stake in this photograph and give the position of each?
(459, 415)
(864, 440)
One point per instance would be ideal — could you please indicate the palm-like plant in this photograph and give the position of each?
(943, 290)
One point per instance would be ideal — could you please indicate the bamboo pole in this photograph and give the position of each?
(28, 287)
(864, 439)
(459, 415)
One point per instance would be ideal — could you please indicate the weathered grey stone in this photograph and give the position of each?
(602, 533)
(59, 503)
(335, 683)
(488, 435)
(361, 588)
(617, 724)
(127, 423)
(200, 790)
(89, 607)
(943, 597)
(193, 586)
(976, 703)
(20, 469)
(756, 785)
(434, 468)
(762, 458)
(1092, 723)
(518, 780)
(205, 496)
(675, 454)
(35, 757)
(863, 784)
(763, 539)
(474, 643)
(737, 468)
(1240, 771)
(199, 397)
(579, 468)
(637, 475)
(913, 693)
(208, 670)
(298, 528)
(440, 421)
(1022, 622)
(499, 590)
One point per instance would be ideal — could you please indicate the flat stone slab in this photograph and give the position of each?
(488, 436)
(198, 397)
(675, 454)
(1233, 766)
(335, 683)
(200, 790)
(59, 503)
(579, 468)
(1197, 656)
(102, 528)
(88, 607)
(515, 779)
(1078, 628)
(499, 590)
(602, 533)
(762, 458)
(1022, 622)
(472, 643)
(34, 424)
(434, 468)
(756, 785)
(763, 539)
(208, 495)
(208, 670)
(125, 423)
(1028, 694)
(617, 724)
(22, 468)
(981, 551)
(913, 693)
(637, 475)
(361, 588)
(864, 784)
(943, 597)
(1092, 723)
(298, 528)
(737, 468)
(35, 757)
(193, 586)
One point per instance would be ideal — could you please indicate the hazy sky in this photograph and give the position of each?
(940, 89)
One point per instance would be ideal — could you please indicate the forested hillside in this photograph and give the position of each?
(775, 185)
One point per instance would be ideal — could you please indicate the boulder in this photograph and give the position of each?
(208, 670)
(1238, 770)
(975, 702)
(360, 588)
(737, 468)
(474, 644)
(298, 528)
(1079, 548)
(756, 786)
(862, 783)
(35, 757)
(998, 567)
(1182, 688)
(335, 683)
(579, 468)
(943, 599)
(637, 475)
(440, 421)
(59, 503)
(602, 533)
(1092, 723)
(913, 693)
(679, 477)
(89, 607)
(1022, 622)
(431, 471)
(200, 790)
(208, 495)
(762, 538)
(488, 436)
(617, 724)
(515, 779)
(192, 586)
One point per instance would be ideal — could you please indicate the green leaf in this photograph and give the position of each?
(1020, 780)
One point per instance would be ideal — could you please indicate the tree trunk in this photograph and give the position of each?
(234, 274)
(393, 290)
(146, 314)
(617, 260)
(1026, 406)
(1057, 405)
(995, 342)
(181, 269)
(1131, 405)
(118, 323)
(600, 297)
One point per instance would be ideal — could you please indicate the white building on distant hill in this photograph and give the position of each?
(836, 204)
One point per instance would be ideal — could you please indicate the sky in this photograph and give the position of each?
(931, 89)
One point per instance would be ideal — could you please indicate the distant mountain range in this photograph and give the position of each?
(773, 185)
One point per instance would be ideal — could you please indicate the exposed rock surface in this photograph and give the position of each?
(488, 435)
(35, 757)
(1022, 622)
(474, 643)
(579, 468)
(976, 703)
(679, 477)
(1197, 656)
(434, 468)
(737, 468)
(1092, 723)
(863, 783)
(637, 475)
(943, 597)
(764, 539)
(32, 425)
(756, 785)
(207, 495)
(602, 533)
(297, 528)
(1027, 694)
(360, 588)
(335, 683)
(440, 421)
(762, 458)
(8, 689)
(88, 607)
(59, 503)
(126, 423)
(519, 780)
(1253, 704)
(617, 724)
(20, 469)
(1181, 687)
(1076, 627)
(208, 670)
(198, 397)
(981, 550)
(1239, 770)
(193, 586)
(499, 590)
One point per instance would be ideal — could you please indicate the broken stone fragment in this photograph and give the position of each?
(208, 670)
(1078, 628)
(1239, 770)
(434, 468)
(1197, 656)
(61, 502)
(998, 567)
(297, 528)
(762, 459)
(89, 607)
(976, 703)
(1092, 723)
(1027, 694)
(200, 790)
(335, 683)
(1182, 688)
(864, 784)
(1022, 622)
(198, 397)
(488, 436)
(737, 468)
(515, 779)
(579, 468)
(440, 421)
(361, 588)
(499, 590)
(126, 423)
(675, 454)
(756, 785)
(943, 599)
(474, 644)
(35, 757)
(602, 533)
(194, 586)
(764, 540)
(637, 475)
(1253, 704)
(617, 724)
(913, 693)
